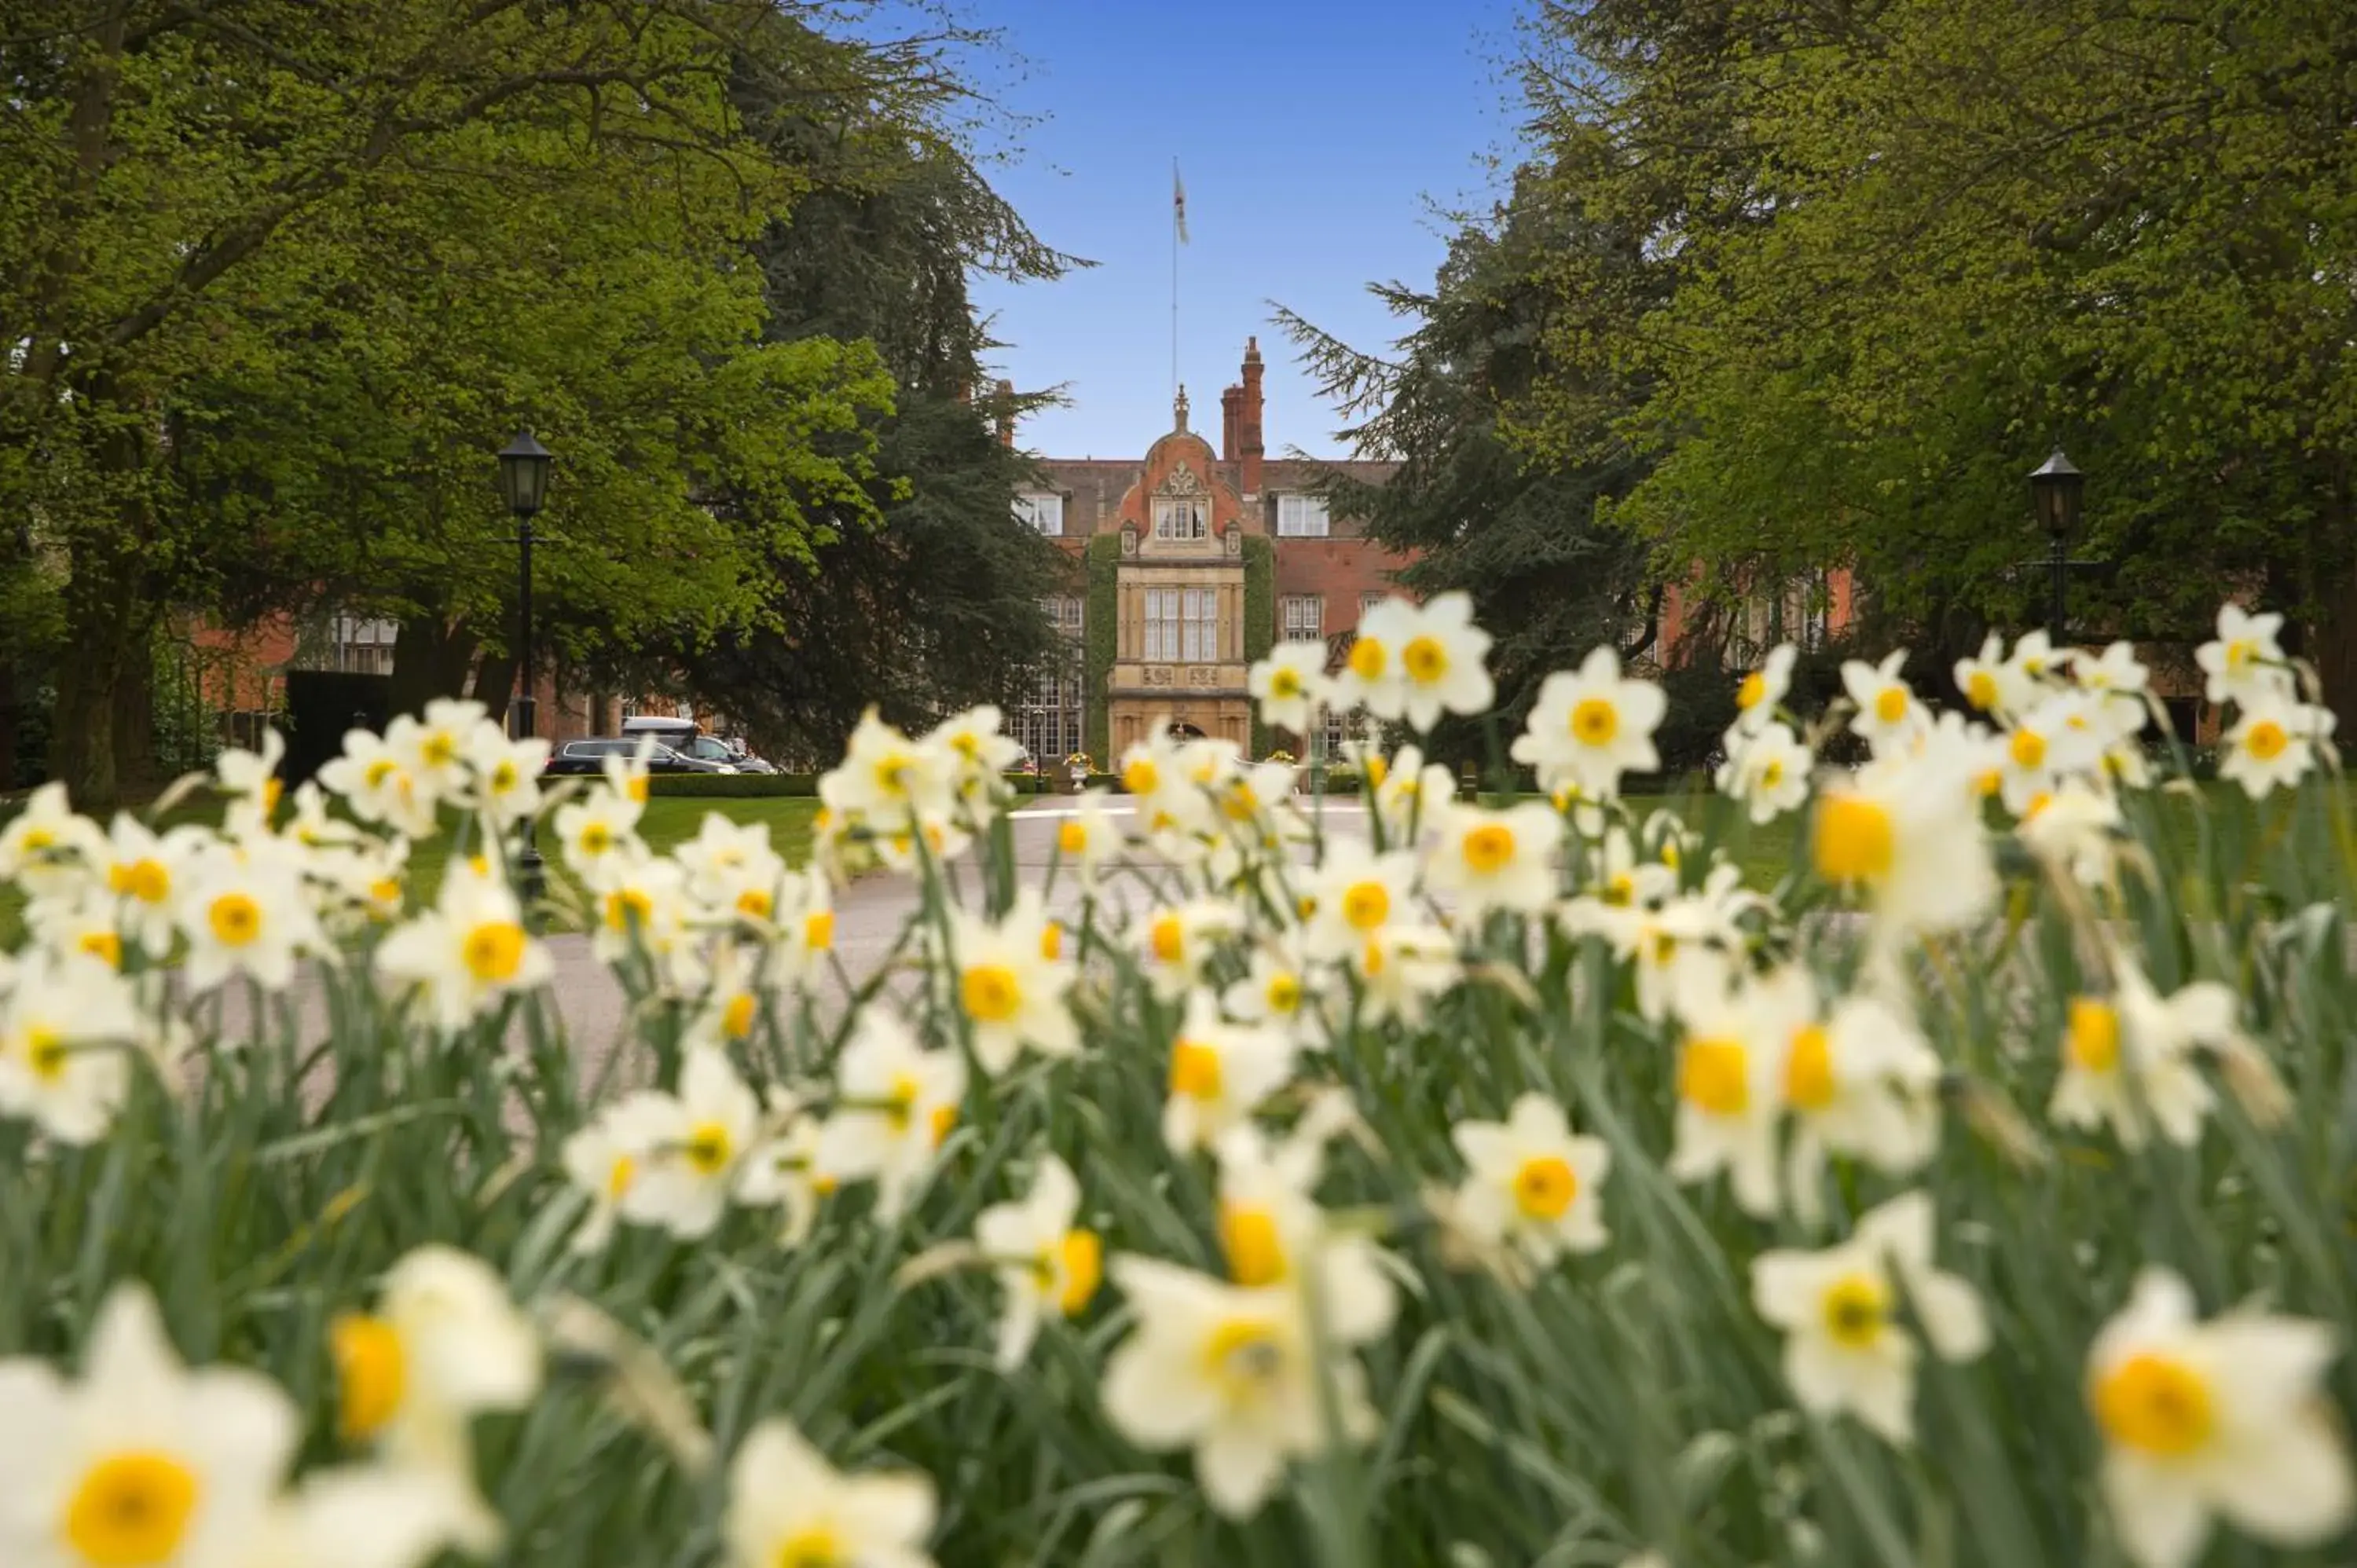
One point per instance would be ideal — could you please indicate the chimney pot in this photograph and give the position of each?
(1231, 407)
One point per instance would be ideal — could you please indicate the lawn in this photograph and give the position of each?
(668, 821)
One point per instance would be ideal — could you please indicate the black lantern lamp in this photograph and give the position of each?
(2056, 490)
(524, 465)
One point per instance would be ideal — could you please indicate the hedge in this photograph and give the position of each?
(734, 786)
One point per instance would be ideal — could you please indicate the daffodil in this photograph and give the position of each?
(641, 909)
(605, 1159)
(1273, 1233)
(1417, 661)
(1011, 984)
(438, 746)
(2225, 1419)
(48, 850)
(1530, 1184)
(1400, 969)
(468, 953)
(250, 780)
(1175, 942)
(1905, 831)
(782, 1171)
(143, 871)
(1847, 1346)
(1044, 1261)
(1496, 860)
(1768, 771)
(361, 1516)
(2274, 742)
(2127, 1058)
(1291, 685)
(1355, 893)
(731, 869)
(1231, 1371)
(379, 785)
(802, 931)
(141, 1461)
(246, 915)
(597, 833)
(445, 1343)
(1730, 1097)
(67, 1027)
(1219, 1072)
(2245, 665)
(1763, 690)
(1090, 838)
(698, 1143)
(976, 754)
(1591, 727)
(895, 1102)
(1677, 949)
(1860, 1082)
(505, 775)
(1275, 991)
(788, 1507)
(1889, 715)
(887, 779)
(1408, 794)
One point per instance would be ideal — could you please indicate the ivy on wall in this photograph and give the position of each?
(1260, 616)
(1102, 625)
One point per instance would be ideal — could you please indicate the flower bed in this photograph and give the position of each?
(1468, 1185)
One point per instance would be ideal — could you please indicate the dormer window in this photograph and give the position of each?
(1301, 517)
(1042, 512)
(1181, 517)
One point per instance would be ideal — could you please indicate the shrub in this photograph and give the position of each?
(733, 786)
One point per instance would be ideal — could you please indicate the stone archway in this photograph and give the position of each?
(1181, 730)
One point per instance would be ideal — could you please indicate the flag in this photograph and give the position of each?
(1178, 201)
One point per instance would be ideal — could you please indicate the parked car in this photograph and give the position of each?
(682, 737)
(745, 760)
(577, 756)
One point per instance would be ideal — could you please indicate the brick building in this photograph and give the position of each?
(1189, 563)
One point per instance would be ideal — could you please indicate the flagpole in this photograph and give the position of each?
(1177, 217)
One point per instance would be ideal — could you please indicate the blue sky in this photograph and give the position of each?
(1312, 134)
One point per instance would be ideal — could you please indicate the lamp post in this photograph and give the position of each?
(525, 464)
(2055, 492)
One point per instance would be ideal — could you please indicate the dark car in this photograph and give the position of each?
(575, 756)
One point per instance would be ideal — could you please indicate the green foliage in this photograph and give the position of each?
(1260, 616)
(733, 786)
(276, 283)
(924, 595)
(1893, 266)
(1100, 629)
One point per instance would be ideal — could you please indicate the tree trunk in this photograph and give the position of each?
(495, 685)
(2331, 641)
(430, 659)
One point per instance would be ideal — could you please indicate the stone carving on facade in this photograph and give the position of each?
(1200, 674)
(1129, 539)
(1158, 676)
(1235, 538)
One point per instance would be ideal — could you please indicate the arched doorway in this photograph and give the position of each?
(1181, 730)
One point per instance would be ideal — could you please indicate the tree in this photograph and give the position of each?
(929, 597)
(1913, 244)
(1480, 507)
(192, 198)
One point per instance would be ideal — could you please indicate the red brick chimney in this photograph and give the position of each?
(1248, 437)
(1231, 401)
(1007, 414)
